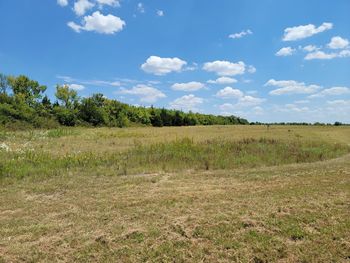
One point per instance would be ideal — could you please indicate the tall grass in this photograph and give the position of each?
(61, 132)
(177, 155)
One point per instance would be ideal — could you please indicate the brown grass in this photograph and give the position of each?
(286, 213)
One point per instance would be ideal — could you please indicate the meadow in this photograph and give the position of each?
(176, 194)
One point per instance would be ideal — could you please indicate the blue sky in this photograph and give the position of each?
(265, 60)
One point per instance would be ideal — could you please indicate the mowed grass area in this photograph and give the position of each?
(189, 194)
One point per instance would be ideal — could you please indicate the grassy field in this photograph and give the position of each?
(188, 194)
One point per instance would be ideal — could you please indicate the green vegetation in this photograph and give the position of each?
(23, 104)
(172, 156)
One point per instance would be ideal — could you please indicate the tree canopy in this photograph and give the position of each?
(23, 102)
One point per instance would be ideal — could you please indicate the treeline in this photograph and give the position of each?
(23, 104)
(337, 123)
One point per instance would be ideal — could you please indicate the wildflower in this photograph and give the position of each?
(5, 147)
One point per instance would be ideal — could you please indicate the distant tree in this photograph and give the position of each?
(178, 119)
(166, 117)
(68, 97)
(29, 90)
(337, 123)
(92, 110)
(155, 118)
(122, 120)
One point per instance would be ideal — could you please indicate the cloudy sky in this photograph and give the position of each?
(265, 60)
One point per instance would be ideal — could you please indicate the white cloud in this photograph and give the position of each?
(99, 23)
(249, 101)
(74, 26)
(146, 93)
(162, 66)
(225, 68)
(285, 51)
(295, 108)
(76, 86)
(160, 13)
(62, 2)
(108, 2)
(243, 102)
(187, 103)
(338, 43)
(291, 87)
(339, 103)
(310, 48)
(344, 54)
(193, 67)
(229, 93)
(90, 82)
(222, 81)
(189, 86)
(81, 6)
(241, 34)
(320, 55)
(140, 8)
(226, 107)
(304, 31)
(334, 91)
(301, 101)
(251, 69)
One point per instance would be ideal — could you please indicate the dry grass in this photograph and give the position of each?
(286, 213)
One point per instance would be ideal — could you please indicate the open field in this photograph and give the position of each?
(188, 194)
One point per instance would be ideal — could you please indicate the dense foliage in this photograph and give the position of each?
(23, 103)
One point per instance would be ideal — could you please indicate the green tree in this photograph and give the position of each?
(166, 117)
(92, 110)
(29, 90)
(155, 118)
(66, 96)
(178, 119)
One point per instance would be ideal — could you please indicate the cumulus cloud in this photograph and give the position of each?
(146, 93)
(99, 23)
(251, 69)
(187, 103)
(310, 48)
(304, 31)
(291, 87)
(229, 93)
(334, 91)
(243, 102)
(249, 101)
(189, 86)
(320, 55)
(81, 6)
(222, 81)
(76, 87)
(108, 2)
(338, 43)
(344, 54)
(162, 66)
(160, 13)
(295, 108)
(62, 2)
(323, 55)
(225, 68)
(285, 51)
(240, 34)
